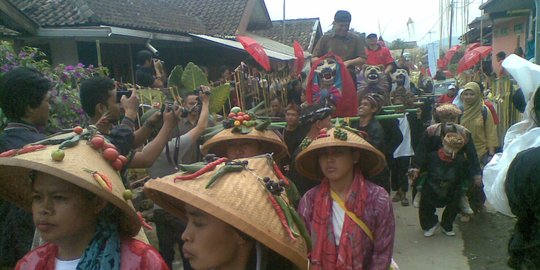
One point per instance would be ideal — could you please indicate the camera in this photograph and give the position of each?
(169, 106)
(122, 92)
(152, 48)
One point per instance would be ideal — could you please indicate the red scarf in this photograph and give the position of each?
(443, 156)
(325, 254)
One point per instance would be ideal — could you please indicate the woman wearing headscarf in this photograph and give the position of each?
(478, 120)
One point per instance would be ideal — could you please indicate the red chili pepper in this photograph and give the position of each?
(280, 174)
(31, 148)
(105, 179)
(281, 215)
(143, 222)
(320, 136)
(9, 153)
(210, 166)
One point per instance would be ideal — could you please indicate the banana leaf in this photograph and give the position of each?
(219, 97)
(192, 77)
(175, 78)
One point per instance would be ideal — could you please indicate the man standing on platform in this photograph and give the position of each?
(347, 45)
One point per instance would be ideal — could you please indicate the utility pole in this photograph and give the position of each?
(536, 33)
(451, 19)
(283, 34)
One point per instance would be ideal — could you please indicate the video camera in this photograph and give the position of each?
(185, 112)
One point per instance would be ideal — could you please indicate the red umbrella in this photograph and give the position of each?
(472, 46)
(472, 57)
(256, 50)
(451, 52)
(299, 54)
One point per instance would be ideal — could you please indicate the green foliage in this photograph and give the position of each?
(219, 97)
(65, 109)
(192, 77)
(175, 78)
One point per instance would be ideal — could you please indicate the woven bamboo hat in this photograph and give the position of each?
(371, 160)
(240, 199)
(76, 168)
(269, 140)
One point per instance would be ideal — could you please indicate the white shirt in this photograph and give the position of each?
(338, 217)
(405, 148)
(66, 265)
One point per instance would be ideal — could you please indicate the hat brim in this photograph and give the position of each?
(238, 199)
(371, 160)
(16, 186)
(269, 140)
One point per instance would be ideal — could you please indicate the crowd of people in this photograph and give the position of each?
(316, 194)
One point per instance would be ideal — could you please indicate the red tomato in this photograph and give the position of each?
(117, 164)
(240, 118)
(123, 159)
(241, 113)
(109, 145)
(78, 130)
(247, 117)
(110, 154)
(97, 142)
(232, 115)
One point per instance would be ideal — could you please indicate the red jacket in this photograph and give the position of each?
(135, 255)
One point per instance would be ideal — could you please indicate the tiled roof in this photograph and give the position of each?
(177, 16)
(221, 17)
(297, 29)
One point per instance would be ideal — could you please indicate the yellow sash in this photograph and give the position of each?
(352, 215)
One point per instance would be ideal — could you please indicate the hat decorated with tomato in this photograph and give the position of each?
(240, 125)
(81, 157)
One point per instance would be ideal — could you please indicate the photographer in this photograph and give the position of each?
(99, 101)
(169, 228)
(146, 74)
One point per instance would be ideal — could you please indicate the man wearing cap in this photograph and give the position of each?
(449, 96)
(347, 45)
(378, 55)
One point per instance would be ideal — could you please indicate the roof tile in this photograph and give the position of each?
(297, 29)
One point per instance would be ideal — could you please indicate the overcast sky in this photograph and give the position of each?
(388, 17)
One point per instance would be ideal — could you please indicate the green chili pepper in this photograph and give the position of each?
(288, 214)
(263, 125)
(301, 227)
(223, 170)
(191, 168)
(70, 143)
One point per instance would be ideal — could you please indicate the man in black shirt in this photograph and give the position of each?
(146, 75)
(24, 98)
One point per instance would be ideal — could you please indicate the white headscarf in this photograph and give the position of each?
(519, 137)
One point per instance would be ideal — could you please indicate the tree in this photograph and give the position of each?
(398, 44)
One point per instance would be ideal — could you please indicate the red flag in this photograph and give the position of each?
(299, 54)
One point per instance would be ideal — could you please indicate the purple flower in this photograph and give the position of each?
(5, 68)
(80, 65)
(69, 68)
(22, 54)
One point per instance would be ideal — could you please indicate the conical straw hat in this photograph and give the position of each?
(16, 186)
(268, 139)
(371, 160)
(237, 198)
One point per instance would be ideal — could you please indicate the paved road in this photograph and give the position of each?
(414, 251)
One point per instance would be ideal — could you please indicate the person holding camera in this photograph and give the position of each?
(168, 227)
(146, 74)
(99, 101)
